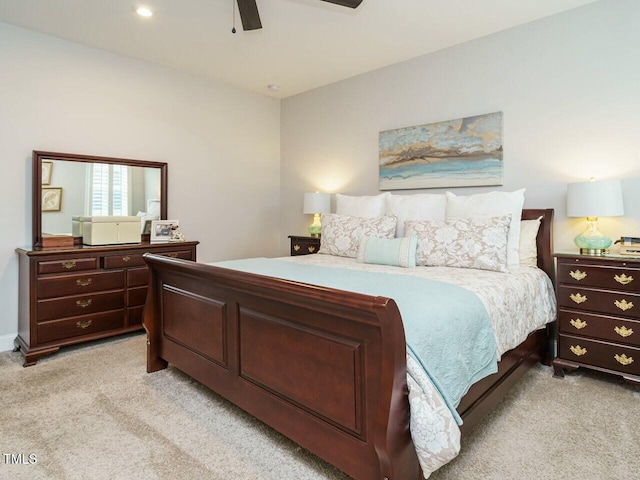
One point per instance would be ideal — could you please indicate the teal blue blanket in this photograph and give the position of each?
(447, 328)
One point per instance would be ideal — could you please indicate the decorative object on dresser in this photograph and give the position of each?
(304, 245)
(161, 230)
(76, 293)
(599, 315)
(316, 203)
(594, 199)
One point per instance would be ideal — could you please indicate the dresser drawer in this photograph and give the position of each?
(57, 286)
(600, 354)
(79, 305)
(181, 254)
(599, 326)
(135, 315)
(136, 259)
(123, 260)
(136, 296)
(137, 277)
(606, 276)
(601, 301)
(81, 325)
(68, 265)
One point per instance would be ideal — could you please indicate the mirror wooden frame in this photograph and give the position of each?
(40, 156)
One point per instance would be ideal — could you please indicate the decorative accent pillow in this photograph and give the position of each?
(464, 242)
(492, 204)
(341, 234)
(365, 207)
(421, 206)
(397, 252)
(528, 247)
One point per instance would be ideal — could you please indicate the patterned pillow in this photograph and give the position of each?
(462, 242)
(341, 234)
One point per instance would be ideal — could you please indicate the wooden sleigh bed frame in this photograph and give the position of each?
(326, 368)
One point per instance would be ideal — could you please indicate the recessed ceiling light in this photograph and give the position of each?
(144, 11)
(273, 87)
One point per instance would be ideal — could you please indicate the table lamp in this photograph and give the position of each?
(315, 204)
(594, 199)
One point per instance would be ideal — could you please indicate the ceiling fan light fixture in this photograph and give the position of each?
(144, 11)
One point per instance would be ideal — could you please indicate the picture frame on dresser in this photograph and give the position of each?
(598, 315)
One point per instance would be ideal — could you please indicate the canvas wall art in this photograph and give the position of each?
(466, 152)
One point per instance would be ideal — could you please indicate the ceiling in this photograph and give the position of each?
(304, 44)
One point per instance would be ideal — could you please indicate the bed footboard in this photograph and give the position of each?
(326, 368)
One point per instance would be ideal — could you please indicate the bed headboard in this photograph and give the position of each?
(545, 239)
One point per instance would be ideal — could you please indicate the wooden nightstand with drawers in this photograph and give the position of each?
(599, 315)
(304, 245)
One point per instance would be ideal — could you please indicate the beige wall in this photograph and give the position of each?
(568, 86)
(221, 144)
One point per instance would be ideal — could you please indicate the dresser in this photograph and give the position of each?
(304, 245)
(76, 294)
(598, 315)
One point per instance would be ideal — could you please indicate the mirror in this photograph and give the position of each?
(67, 185)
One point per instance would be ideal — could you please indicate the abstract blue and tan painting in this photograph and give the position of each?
(457, 153)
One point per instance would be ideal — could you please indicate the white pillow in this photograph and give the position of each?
(341, 234)
(528, 247)
(365, 207)
(492, 204)
(421, 206)
(463, 242)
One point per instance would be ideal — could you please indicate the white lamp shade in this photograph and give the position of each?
(595, 199)
(316, 203)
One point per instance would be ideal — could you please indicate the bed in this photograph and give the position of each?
(325, 367)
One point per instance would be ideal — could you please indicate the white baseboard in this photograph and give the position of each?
(6, 342)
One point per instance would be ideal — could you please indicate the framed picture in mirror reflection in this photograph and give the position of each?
(51, 199)
(47, 170)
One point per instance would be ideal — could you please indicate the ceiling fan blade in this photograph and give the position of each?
(249, 14)
(345, 3)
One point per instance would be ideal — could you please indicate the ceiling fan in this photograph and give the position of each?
(250, 17)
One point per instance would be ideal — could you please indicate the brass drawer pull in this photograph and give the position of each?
(623, 279)
(623, 359)
(579, 324)
(84, 324)
(623, 331)
(623, 305)
(311, 249)
(576, 297)
(84, 303)
(296, 247)
(69, 265)
(126, 258)
(578, 350)
(578, 275)
(83, 282)
(172, 255)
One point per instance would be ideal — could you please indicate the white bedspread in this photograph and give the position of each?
(518, 303)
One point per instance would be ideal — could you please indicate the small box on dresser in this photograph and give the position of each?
(599, 315)
(304, 245)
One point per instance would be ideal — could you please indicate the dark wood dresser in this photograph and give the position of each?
(76, 294)
(599, 315)
(304, 245)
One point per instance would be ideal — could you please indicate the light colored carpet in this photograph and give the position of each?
(91, 412)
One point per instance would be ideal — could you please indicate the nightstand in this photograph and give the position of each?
(599, 315)
(304, 245)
